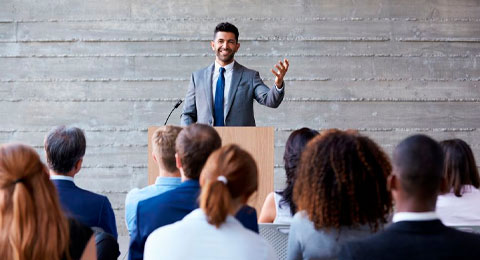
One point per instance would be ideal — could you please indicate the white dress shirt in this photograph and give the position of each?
(61, 177)
(194, 238)
(460, 211)
(414, 216)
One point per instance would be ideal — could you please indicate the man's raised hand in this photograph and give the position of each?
(282, 68)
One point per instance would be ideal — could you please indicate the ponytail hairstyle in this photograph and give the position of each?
(230, 173)
(32, 225)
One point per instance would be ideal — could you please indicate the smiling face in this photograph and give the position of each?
(225, 46)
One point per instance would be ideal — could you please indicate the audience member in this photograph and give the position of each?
(193, 146)
(459, 207)
(279, 206)
(340, 192)
(65, 148)
(106, 244)
(416, 233)
(163, 146)
(32, 225)
(228, 179)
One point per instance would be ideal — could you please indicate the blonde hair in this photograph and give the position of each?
(32, 225)
(239, 178)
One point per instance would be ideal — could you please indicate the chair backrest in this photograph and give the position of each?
(470, 229)
(277, 235)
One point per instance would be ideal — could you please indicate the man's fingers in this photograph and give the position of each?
(275, 73)
(287, 64)
(280, 63)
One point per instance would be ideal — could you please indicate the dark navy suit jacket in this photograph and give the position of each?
(91, 209)
(415, 240)
(170, 207)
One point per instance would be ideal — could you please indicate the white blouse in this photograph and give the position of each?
(194, 238)
(460, 211)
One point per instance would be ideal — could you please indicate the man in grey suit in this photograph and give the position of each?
(222, 94)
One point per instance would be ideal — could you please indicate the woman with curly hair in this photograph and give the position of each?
(279, 207)
(32, 225)
(459, 206)
(341, 194)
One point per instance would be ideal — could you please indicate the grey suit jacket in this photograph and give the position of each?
(246, 86)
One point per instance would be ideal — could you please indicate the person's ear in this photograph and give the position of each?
(154, 157)
(237, 46)
(212, 44)
(78, 165)
(178, 162)
(392, 183)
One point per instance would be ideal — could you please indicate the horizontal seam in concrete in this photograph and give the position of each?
(265, 79)
(348, 55)
(306, 100)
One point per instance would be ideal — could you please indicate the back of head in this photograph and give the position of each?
(460, 166)
(341, 181)
(194, 144)
(293, 150)
(64, 147)
(31, 222)
(229, 174)
(418, 162)
(163, 143)
(226, 27)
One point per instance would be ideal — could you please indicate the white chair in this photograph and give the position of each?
(277, 235)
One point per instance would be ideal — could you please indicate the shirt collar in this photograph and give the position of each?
(167, 180)
(61, 177)
(228, 68)
(414, 216)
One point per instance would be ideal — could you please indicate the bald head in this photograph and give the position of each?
(418, 163)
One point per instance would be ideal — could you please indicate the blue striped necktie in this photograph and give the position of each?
(219, 92)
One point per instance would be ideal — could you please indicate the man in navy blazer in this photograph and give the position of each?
(416, 232)
(222, 94)
(193, 146)
(65, 148)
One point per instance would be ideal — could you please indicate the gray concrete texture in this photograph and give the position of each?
(114, 68)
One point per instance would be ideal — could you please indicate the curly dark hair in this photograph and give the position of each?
(293, 150)
(342, 181)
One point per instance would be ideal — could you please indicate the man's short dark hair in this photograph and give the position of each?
(194, 144)
(418, 161)
(64, 147)
(226, 27)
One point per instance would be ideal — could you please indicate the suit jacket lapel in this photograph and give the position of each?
(208, 88)
(236, 76)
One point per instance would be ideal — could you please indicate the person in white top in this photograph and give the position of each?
(279, 207)
(228, 179)
(459, 207)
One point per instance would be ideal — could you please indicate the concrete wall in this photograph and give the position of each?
(115, 67)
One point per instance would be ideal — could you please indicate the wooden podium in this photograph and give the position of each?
(258, 141)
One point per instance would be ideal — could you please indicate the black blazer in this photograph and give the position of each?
(415, 240)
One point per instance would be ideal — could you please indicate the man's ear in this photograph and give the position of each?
(392, 183)
(178, 162)
(212, 44)
(78, 165)
(238, 46)
(154, 157)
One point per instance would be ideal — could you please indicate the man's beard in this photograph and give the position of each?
(227, 58)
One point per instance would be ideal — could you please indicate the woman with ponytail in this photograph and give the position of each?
(228, 179)
(32, 225)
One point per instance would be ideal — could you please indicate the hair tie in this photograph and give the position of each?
(22, 180)
(222, 178)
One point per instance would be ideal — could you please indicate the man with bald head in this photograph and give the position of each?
(416, 232)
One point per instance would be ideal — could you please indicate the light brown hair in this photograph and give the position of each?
(32, 225)
(194, 144)
(341, 181)
(163, 144)
(239, 169)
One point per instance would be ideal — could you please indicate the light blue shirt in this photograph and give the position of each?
(162, 184)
